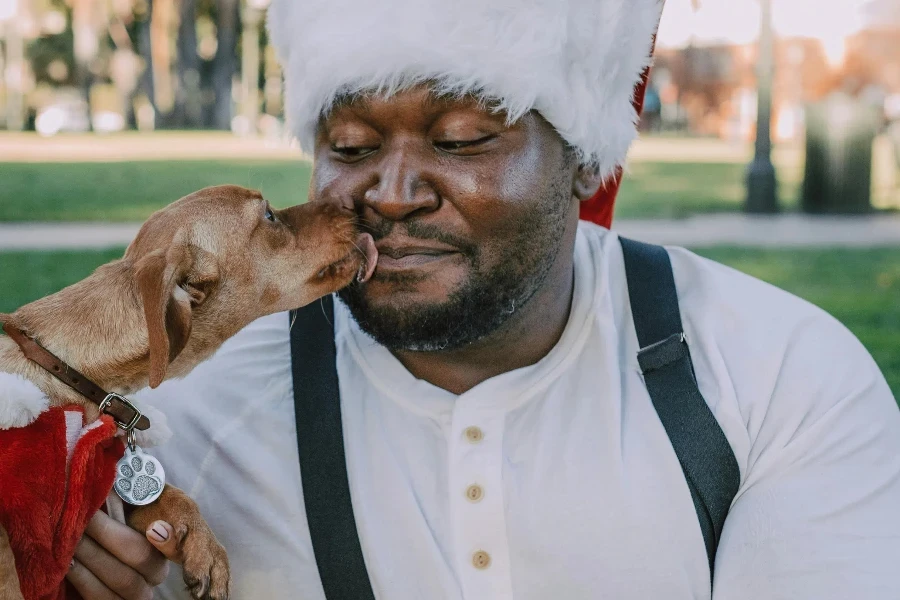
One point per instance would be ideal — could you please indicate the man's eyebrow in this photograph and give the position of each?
(445, 99)
(362, 99)
(359, 99)
(441, 100)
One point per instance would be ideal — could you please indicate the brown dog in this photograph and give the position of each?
(198, 271)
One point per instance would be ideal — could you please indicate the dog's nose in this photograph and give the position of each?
(329, 211)
(346, 204)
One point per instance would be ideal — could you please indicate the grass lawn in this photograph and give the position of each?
(130, 191)
(76, 181)
(859, 287)
(673, 190)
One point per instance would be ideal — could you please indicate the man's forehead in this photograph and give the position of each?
(424, 96)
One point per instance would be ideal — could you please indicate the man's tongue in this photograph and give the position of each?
(366, 245)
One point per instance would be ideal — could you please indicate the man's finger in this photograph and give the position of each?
(87, 585)
(122, 580)
(129, 546)
(162, 536)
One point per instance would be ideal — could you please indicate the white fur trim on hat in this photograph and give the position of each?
(158, 433)
(20, 401)
(574, 61)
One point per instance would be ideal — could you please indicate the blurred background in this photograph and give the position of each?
(770, 139)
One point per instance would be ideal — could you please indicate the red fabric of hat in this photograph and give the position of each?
(54, 475)
(599, 208)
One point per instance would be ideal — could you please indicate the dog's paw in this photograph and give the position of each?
(205, 566)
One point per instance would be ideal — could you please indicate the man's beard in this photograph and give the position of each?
(483, 303)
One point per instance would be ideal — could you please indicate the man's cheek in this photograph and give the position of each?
(327, 184)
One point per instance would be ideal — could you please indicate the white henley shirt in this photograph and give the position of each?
(557, 481)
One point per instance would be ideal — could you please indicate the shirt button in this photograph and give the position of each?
(474, 493)
(481, 560)
(474, 434)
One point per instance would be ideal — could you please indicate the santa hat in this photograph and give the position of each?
(576, 62)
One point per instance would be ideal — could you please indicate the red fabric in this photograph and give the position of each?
(44, 509)
(599, 208)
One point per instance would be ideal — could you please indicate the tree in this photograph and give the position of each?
(188, 106)
(87, 23)
(144, 49)
(224, 65)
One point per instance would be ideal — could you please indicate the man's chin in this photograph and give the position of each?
(389, 292)
(408, 323)
(416, 317)
(441, 312)
(401, 299)
(395, 303)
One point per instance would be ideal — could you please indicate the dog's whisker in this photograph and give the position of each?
(324, 312)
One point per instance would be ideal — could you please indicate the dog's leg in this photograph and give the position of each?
(204, 561)
(9, 579)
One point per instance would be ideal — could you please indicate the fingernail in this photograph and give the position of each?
(159, 531)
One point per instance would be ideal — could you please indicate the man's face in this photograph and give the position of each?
(469, 215)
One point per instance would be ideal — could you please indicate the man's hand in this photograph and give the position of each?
(114, 562)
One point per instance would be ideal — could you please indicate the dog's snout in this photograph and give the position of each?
(314, 214)
(346, 203)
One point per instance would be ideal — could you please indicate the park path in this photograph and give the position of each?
(731, 229)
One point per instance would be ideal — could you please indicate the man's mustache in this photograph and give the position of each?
(418, 230)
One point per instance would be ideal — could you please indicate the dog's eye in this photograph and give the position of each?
(270, 215)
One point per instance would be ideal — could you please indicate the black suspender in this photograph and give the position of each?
(323, 467)
(706, 458)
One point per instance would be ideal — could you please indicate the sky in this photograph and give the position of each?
(737, 21)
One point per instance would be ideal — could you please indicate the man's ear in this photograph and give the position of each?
(586, 183)
(171, 287)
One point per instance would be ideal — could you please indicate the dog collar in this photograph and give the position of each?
(124, 413)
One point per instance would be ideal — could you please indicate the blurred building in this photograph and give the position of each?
(705, 77)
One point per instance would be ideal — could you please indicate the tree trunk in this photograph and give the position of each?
(188, 108)
(224, 65)
(144, 49)
(85, 48)
(161, 21)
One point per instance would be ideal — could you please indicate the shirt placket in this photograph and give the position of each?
(476, 503)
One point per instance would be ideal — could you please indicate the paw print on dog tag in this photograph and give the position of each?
(139, 477)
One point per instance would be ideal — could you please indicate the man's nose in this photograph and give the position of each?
(402, 188)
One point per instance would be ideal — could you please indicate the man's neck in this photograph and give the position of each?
(527, 337)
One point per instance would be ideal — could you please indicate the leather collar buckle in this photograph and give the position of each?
(107, 409)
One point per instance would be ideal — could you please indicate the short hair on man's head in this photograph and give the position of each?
(435, 96)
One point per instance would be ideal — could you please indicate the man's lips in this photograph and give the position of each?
(397, 257)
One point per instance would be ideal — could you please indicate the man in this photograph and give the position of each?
(500, 438)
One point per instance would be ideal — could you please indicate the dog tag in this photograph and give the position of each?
(140, 477)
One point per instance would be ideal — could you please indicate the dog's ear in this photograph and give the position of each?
(171, 286)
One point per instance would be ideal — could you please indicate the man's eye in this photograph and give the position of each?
(270, 216)
(455, 145)
(352, 151)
